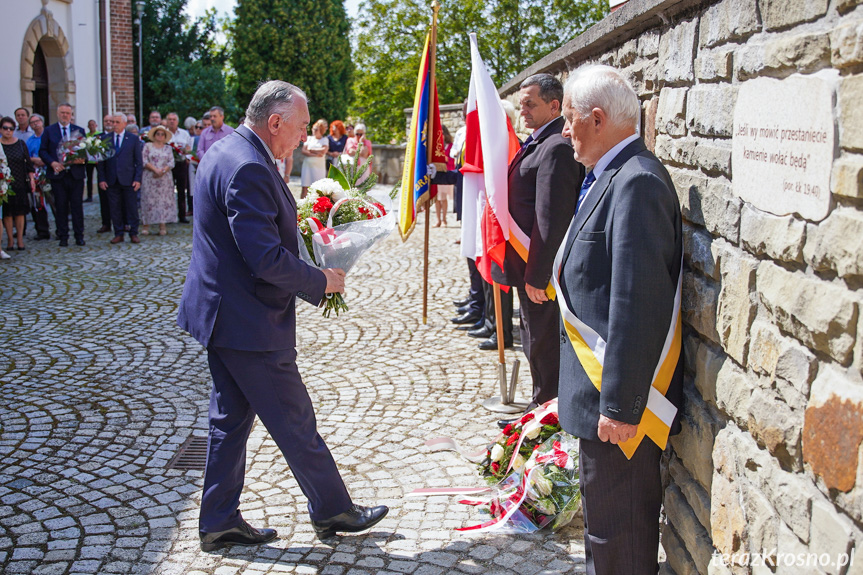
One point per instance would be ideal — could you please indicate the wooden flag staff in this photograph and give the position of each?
(430, 154)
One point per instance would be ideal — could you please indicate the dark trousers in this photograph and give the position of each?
(621, 500)
(68, 197)
(476, 294)
(268, 384)
(40, 219)
(90, 168)
(506, 305)
(181, 181)
(105, 208)
(124, 208)
(540, 341)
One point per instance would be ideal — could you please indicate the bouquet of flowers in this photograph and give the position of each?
(179, 155)
(544, 492)
(6, 180)
(514, 446)
(79, 149)
(338, 221)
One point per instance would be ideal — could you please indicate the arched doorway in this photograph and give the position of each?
(47, 78)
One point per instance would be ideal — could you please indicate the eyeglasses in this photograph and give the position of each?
(9, 128)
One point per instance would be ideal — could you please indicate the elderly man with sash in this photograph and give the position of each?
(617, 277)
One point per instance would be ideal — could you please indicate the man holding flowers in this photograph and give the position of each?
(239, 301)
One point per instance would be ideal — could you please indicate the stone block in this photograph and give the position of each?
(776, 356)
(777, 427)
(708, 362)
(846, 44)
(649, 109)
(803, 53)
(784, 13)
(727, 520)
(677, 52)
(694, 444)
(737, 301)
(834, 244)
(779, 237)
(712, 156)
(708, 202)
(710, 109)
(851, 113)
(695, 538)
(695, 494)
(847, 178)
(678, 559)
(698, 248)
(671, 113)
(823, 316)
(714, 65)
(830, 533)
(789, 548)
(627, 53)
(698, 305)
(733, 391)
(728, 20)
(833, 429)
(762, 523)
(648, 43)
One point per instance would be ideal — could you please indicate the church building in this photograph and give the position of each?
(75, 51)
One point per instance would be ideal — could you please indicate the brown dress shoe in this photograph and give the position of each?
(135, 240)
(103, 229)
(116, 239)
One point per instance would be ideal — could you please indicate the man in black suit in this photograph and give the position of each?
(104, 203)
(542, 179)
(67, 182)
(618, 272)
(120, 177)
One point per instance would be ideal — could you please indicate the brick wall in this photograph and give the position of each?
(122, 64)
(771, 454)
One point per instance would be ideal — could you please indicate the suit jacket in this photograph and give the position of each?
(544, 180)
(245, 273)
(52, 137)
(126, 165)
(619, 275)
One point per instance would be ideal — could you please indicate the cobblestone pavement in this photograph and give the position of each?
(99, 389)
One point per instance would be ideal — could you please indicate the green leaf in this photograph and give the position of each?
(337, 175)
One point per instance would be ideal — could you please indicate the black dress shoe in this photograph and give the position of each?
(465, 318)
(491, 343)
(242, 534)
(504, 422)
(80, 243)
(463, 309)
(64, 243)
(482, 332)
(184, 221)
(357, 518)
(461, 302)
(468, 326)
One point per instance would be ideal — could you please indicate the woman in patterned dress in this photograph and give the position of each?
(17, 207)
(158, 205)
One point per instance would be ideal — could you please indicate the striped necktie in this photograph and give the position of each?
(585, 186)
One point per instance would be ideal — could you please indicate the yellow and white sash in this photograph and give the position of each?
(590, 349)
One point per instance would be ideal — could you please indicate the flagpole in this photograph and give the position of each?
(435, 6)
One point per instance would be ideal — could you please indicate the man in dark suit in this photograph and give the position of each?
(104, 203)
(67, 182)
(542, 180)
(239, 301)
(120, 177)
(618, 274)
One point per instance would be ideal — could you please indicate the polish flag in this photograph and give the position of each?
(490, 145)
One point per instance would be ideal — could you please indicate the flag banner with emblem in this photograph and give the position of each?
(425, 131)
(589, 348)
(490, 145)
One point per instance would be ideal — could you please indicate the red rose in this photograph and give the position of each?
(550, 419)
(527, 417)
(508, 429)
(512, 439)
(495, 467)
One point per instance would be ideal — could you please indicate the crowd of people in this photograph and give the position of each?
(144, 183)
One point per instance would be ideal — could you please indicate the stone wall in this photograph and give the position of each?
(770, 456)
(122, 65)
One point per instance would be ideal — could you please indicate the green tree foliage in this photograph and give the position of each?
(512, 34)
(304, 42)
(183, 65)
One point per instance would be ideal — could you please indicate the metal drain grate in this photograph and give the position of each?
(192, 454)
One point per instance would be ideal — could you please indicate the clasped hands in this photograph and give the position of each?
(613, 431)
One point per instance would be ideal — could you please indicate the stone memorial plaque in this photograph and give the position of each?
(783, 145)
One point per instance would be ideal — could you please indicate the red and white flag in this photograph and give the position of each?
(490, 145)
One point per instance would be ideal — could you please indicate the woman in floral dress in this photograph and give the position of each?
(158, 204)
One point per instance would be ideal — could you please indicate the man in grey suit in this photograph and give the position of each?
(239, 302)
(618, 274)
